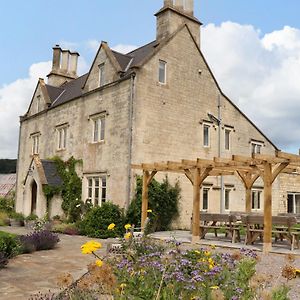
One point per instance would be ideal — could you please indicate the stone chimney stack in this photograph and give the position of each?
(174, 14)
(64, 66)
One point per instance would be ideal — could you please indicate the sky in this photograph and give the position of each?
(253, 48)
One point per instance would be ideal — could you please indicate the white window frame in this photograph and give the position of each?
(294, 194)
(208, 126)
(35, 143)
(96, 189)
(205, 189)
(62, 137)
(162, 67)
(258, 192)
(98, 131)
(101, 74)
(255, 146)
(227, 131)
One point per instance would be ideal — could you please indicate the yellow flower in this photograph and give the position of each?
(197, 252)
(214, 287)
(99, 262)
(111, 226)
(127, 226)
(213, 246)
(207, 253)
(127, 236)
(90, 247)
(122, 286)
(149, 210)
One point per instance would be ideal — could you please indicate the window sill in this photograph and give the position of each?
(164, 85)
(61, 150)
(97, 143)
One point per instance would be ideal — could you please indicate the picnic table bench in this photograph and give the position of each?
(220, 223)
(282, 229)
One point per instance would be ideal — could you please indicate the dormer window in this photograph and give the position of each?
(162, 74)
(101, 75)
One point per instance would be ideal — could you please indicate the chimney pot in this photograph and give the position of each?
(56, 58)
(178, 4)
(189, 7)
(64, 61)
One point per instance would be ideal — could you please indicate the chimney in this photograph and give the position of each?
(173, 15)
(64, 66)
(189, 7)
(73, 61)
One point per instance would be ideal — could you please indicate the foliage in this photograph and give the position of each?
(70, 228)
(97, 220)
(8, 166)
(3, 260)
(70, 190)
(31, 217)
(163, 201)
(6, 205)
(17, 216)
(39, 240)
(281, 293)
(4, 218)
(9, 245)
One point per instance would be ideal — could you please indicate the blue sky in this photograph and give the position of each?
(253, 48)
(30, 28)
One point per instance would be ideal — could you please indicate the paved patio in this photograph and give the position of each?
(28, 274)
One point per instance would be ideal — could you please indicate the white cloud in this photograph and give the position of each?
(93, 45)
(261, 74)
(14, 101)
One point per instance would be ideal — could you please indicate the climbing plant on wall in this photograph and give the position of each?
(70, 190)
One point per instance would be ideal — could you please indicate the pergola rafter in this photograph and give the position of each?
(248, 169)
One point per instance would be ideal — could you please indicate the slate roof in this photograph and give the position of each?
(73, 89)
(7, 184)
(51, 173)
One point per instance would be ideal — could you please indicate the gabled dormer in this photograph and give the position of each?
(40, 100)
(104, 70)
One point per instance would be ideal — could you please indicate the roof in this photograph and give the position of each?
(51, 173)
(7, 184)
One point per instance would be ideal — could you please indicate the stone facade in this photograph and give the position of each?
(145, 121)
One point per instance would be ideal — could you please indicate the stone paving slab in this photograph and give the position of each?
(28, 274)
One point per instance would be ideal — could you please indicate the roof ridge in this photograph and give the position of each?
(141, 47)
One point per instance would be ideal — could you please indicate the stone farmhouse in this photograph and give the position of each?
(160, 102)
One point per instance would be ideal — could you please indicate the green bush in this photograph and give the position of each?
(96, 221)
(9, 244)
(17, 216)
(163, 201)
(31, 217)
(4, 218)
(6, 205)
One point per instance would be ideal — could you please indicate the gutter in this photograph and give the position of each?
(130, 122)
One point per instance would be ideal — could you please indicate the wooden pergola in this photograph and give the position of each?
(248, 169)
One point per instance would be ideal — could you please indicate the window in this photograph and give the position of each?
(256, 147)
(62, 137)
(162, 75)
(96, 190)
(98, 129)
(101, 75)
(227, 199)
(206, 135)
(227, 139)
(293, 205)
(256, 195)
(205, 199)
(35, 143)
(38, 104)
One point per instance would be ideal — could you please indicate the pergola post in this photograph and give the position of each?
(248, 200)
(145, 191)
(196, 206)
(267, 246)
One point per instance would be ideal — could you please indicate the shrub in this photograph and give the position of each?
(70, 229)
(39, 240)
(163, 201)
(9, 245)
(3, 260)
(6, 205)
(16, 216)
(4, 219)
(96, 221)
(31, 217)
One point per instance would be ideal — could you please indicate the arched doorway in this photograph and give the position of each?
(33, 197)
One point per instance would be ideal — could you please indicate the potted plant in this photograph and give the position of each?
(16, 219)
(30, 221)
(56, 220)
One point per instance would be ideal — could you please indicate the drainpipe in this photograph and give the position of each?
(18, 174)
(130, 116)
